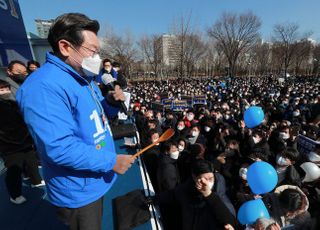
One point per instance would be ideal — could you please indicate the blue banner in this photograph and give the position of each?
(14, 43)
(306, 145)
(199, 100)
(180, 105)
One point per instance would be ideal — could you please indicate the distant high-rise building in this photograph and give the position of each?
(43, 27)
(169, 49)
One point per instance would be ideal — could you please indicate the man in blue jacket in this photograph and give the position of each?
(65, 113)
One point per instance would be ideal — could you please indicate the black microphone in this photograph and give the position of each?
(107, 79)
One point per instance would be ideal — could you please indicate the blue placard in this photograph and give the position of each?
(180, 105)
(199, 100)
(306, 145)
(14, 43)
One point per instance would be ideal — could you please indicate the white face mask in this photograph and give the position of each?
(296, 114)
(174, 155)
(91, 65)
(313, 157)
(284, 136)
(210, 184)
(243, 173)
(180, 127)
(207, 129)
(190, 117)
(180, 148)
(194, 133)
(255, 140)
(282, 161)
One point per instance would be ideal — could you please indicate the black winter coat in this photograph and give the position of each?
(14, 135)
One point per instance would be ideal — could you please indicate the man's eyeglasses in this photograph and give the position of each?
(91, 50)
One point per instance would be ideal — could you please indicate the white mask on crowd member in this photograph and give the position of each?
(243, 173)
(296, 113)
(180, 148)
(210, 185)
(314, 157)
(180, 127)
(194, 133)
(284, 136)
(281, 161)
(174, 155)
(207, 129)
(255, 140)
(190, 117)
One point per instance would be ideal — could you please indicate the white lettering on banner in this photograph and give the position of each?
(13, 9)
(3, 4)
(94, 116)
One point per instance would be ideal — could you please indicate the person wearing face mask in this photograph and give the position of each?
(16, 146)
(170, 121)
(242, 191)
(195, 136)
(181, 130)
(168, 173)
(68, 118)
(189, 119)
(150, 158)
(201, 200)
(286, 167)
(16, 74)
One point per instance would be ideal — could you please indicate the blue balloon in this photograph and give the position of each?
(262, 177)
(253, 116)
(252, 210)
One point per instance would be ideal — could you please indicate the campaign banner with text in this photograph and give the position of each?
(14, 44)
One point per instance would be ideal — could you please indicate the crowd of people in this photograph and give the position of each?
(213, 148)
(200, 175)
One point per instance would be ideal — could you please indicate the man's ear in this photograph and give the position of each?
(64, 47)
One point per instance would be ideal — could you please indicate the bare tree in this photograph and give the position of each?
(121, 49)
(194, 50)
(316, 59)
(235, 34)
(182, 29)
(261, 57)
(302, 55)
(285, 39)
(151, 49)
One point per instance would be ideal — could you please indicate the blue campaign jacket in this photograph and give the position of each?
(62, 112)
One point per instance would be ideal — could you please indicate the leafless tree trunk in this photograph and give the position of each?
(151, 50)
(121, 49)
(286, 38)
(182, 29)
(235, 34)
(302, 55)
(316, 59)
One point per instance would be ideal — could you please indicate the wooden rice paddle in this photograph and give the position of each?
(164, 137)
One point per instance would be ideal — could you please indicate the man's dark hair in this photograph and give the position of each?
(292, 154)
(12, 63)
(116, 64)
(152, 131)
(4, 84)
(168, 144)
(290, 200)
(201, 166)
(106, 60)
(33, 62)
(69, 27)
